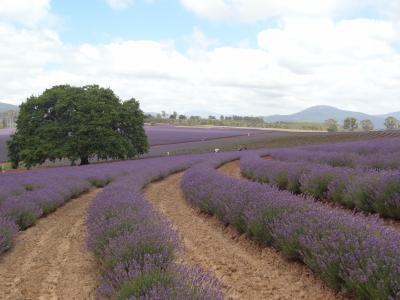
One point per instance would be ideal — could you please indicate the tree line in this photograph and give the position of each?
(352, 124)
(232, 120)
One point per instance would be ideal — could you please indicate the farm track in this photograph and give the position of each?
(246, 270)
(50, 259)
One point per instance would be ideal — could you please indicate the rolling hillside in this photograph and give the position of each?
(6, 106)
(322, 112)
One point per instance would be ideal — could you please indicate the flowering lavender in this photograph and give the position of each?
(379, 154)
(371, 191)
(284, 175)
(27, 196)
(154, 279)
(24, 213)
(351, 252)
(376, 192)
(136, 246)
(168, 134)
(8, 229)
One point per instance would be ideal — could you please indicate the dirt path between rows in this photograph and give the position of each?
(50, 259)
(246, 270)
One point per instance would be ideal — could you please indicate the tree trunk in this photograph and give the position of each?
(84, 160)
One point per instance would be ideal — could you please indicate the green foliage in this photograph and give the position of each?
(391, 123)
(174, 116)
(332, 125)
(350, 124)
(318, 186)
(367, 125)
(77, 123)
(140, 285)
(233, 121)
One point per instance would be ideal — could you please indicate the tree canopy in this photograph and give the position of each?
(77, 123)
(350, 124)
(332, 125)
(391, 123)
(367, 125)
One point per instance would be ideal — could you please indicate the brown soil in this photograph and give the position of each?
(231, 169)
(246, 270)
(50, 259)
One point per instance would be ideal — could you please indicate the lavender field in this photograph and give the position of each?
(168, 134)
(168, 138)
(350, 252)
(165, 139)
(347, 243)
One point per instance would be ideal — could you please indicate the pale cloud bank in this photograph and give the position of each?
(306, 61)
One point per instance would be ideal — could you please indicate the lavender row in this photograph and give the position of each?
(377, 161)
(27, 196)
(371, 192)
(136, 247)
(350, 252)
(385, 145)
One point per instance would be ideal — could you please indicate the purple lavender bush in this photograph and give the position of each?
(8, 229)
(370, 191)
(284, 175)
(27, 196)
(155, 280)
(24, 213)
(349, 251)
(376, 192)
(379, 154)
(136, 246)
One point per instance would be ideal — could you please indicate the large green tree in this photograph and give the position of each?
(77, 123)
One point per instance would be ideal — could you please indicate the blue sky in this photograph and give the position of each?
(93, 21)
(254, 57)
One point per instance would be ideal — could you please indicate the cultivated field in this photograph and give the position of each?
(165, 139)
(300, 222)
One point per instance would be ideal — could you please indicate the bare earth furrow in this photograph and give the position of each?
(50, 259)
(246, 270)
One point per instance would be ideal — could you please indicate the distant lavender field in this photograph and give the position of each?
(167, 134)
(163, 135)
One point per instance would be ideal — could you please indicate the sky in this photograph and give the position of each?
(246, 57)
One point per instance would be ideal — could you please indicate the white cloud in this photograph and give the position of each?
(119, 4)
(253, 10)
(25, 12)
(306, 61)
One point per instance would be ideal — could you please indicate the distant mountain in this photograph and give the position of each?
(323, 112)
(6, 106)
(394, 114)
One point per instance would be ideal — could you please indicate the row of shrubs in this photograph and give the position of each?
(366, 147)
(380, 154)
(369, 191)
(23, 201)
(135, 246)
(350, 252)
